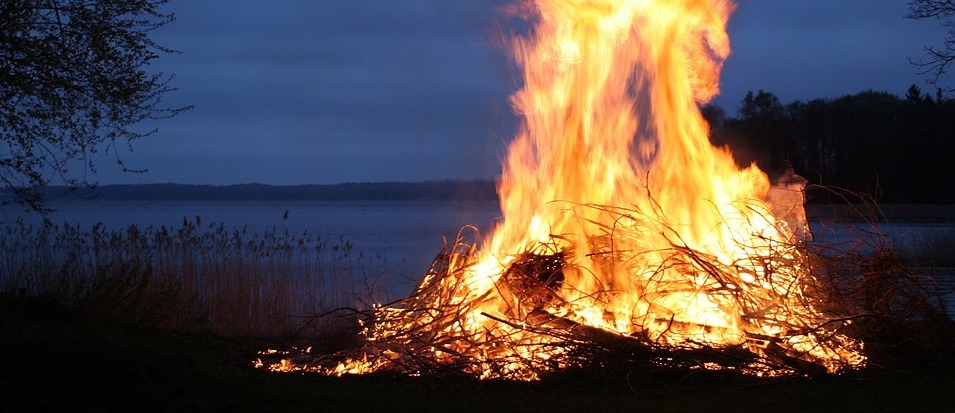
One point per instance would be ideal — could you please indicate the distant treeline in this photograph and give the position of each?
(897, 149)
(473, 190)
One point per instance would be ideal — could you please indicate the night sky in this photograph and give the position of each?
(330, 91)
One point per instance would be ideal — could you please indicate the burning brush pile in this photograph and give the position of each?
(626, 237)
(529, 315)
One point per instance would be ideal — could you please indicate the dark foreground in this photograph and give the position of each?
(59, 360)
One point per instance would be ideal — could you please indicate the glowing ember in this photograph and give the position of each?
(623, 227)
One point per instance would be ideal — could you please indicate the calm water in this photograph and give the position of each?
(405, 234)
(922, 241)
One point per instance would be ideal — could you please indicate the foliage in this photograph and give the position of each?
(896, 148)
(73, 83)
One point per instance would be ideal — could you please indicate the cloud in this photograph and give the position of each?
(344, 83)
(304, 91)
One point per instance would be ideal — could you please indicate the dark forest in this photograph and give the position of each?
(895, 149)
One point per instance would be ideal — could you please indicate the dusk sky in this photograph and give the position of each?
(330, 91)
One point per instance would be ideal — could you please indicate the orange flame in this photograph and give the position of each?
(659, 234)
(611, 108)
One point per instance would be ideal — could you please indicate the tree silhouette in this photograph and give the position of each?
(898, 149)
(73, 84)
(939, 59)
(914, 94)
(758, 133)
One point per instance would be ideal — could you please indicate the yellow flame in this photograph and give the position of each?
(665, 237)
(610, 104)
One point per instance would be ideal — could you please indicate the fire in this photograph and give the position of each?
(622, 223)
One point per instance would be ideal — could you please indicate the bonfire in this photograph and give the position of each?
(625, 234)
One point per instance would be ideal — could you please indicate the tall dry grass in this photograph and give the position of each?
(227, 280)
(936, 249)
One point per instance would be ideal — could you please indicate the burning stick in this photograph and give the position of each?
(536, 330)
(663, 245)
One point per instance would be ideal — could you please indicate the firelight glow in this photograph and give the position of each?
(657, 234)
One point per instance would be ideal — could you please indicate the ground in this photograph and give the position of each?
(59, 360)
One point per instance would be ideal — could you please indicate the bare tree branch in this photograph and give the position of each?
(939, 59)
(73, 82)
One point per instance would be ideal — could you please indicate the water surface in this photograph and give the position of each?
(403, 236)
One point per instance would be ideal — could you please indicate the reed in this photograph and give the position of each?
(936, 249)
(227, 280)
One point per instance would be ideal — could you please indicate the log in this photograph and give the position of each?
(636, 350)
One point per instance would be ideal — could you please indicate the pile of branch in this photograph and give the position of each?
(423, 333)
(529, 335)
(904, 321)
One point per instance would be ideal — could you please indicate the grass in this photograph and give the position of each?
(229, 281)
(152, 319)
(60, 359)
(936, 249)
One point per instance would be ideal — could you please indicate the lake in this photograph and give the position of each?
(405, 234)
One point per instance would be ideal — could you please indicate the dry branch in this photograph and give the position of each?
(807, 325)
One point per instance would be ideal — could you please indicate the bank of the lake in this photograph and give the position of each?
(83, 356)
(400, 238)
(60, 359)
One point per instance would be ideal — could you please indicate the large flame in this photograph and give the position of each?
(649, 230)
(611, 107)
